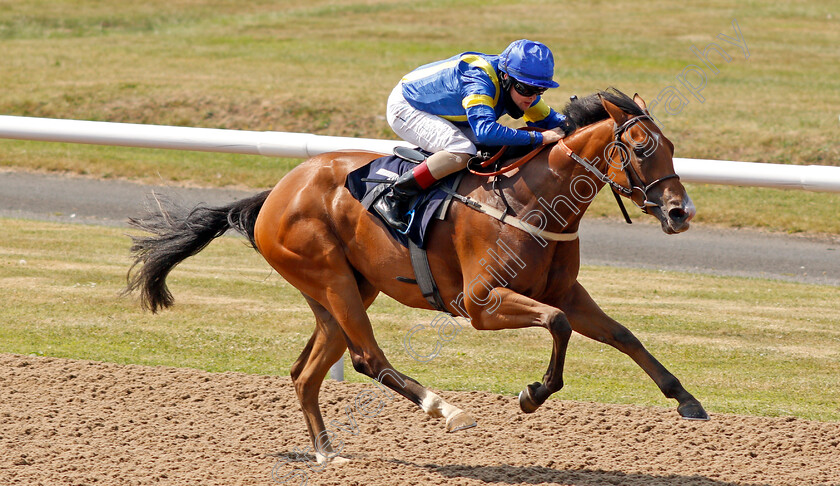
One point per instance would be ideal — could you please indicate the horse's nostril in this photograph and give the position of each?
(677, 214)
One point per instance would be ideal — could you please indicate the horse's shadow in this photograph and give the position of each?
(505, 474)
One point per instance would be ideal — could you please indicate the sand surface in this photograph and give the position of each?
(68, 422)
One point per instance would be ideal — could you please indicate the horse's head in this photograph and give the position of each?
(641, 161)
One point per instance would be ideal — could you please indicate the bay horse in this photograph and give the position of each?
(340, 256)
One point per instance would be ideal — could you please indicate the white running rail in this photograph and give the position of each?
(817, 178)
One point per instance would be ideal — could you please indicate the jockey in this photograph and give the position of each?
(449, 106)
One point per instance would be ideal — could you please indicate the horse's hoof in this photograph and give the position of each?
(460, 421)
(526, 399)
(332, 461)
(692, 410)
(339, 461)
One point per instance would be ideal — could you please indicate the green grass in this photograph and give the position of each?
(327, 67)
(768, 348)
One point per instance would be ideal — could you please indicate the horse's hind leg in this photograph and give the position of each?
(588, 319)
(345, 304)
(318, 267)
(324, 348)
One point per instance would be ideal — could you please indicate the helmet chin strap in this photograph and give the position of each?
(504, 82)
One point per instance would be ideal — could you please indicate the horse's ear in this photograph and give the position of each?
(639, 101)
(616, 113)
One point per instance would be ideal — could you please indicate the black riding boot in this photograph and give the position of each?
(393, 204)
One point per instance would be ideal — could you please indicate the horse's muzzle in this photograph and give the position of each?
(675, 215)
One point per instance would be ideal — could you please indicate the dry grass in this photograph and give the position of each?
(327, 68)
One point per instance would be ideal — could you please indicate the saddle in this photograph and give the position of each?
(367, 182)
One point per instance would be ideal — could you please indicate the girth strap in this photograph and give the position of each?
(423, 276)
(508, 219)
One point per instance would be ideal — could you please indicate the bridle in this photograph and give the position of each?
(630, 169)
(634, 179)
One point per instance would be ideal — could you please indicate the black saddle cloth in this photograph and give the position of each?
(428, 206)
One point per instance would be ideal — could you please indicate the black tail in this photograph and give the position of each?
(178, 234)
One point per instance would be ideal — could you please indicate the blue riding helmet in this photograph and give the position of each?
(529, 62)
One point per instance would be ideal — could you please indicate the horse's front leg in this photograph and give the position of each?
(588, 319)
(503, 308)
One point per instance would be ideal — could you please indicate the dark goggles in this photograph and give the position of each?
(527, 90)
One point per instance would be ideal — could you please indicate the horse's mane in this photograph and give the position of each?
(588, 110)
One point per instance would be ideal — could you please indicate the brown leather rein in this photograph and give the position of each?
(616, 187)
(526, 158)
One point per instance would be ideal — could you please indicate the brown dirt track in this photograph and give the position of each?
(73, 422)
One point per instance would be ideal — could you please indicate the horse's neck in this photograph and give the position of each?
(561, 188)
(590, 142)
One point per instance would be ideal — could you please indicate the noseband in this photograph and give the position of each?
(630, 170)
(633, 178)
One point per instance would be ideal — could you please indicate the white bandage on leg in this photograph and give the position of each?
(434, 406)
